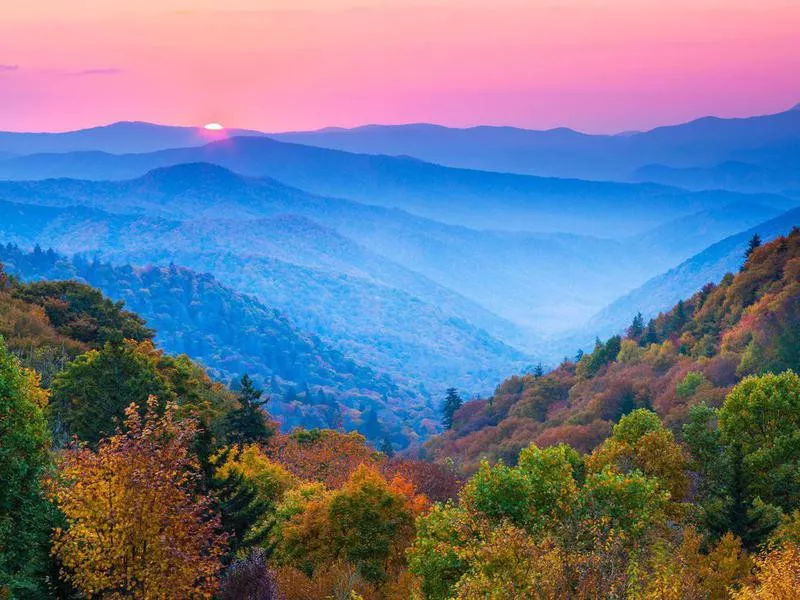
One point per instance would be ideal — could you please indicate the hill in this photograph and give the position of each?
(230, 334)
(324, 282)
(567, 153)
(469, 198)
(666, 289)
(747, 324)
(498, 277)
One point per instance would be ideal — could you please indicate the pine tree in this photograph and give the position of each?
(248, 423)
(371, 427)
(650, 336)
(637, 327)
(452, 403)
(754, 243)
(538, 371)
(242, 514)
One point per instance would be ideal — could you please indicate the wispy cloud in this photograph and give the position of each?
(89, 72)
(8, 68)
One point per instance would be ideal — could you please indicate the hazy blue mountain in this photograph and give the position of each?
(731, 175)
(344, 298)
(476, 199)
(489, 278)
(562, 152)
(117, 138)
(708, 266)
(682, 238)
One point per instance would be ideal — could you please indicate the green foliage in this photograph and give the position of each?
(243, 514)
(689, 384)
(82, 313)
(633, 426)
(435, 556)
(90, 396)
(25, 514)
(761, 418)
(500, 492)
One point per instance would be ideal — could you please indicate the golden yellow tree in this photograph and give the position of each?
(135, 526)
(777, 576)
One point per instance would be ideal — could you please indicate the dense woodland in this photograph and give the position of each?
(664, 464)
(309, 382)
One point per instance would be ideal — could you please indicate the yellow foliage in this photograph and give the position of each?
(269, 478)
(777, 576)
(135, 528)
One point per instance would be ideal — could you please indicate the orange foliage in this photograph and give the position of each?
(326, 456)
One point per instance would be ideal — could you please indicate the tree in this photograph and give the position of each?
(135, 527)
(452, 403)
(387, 448)
(25, 514)
(754, 243)
(538, 371)
(250, 579)
(91, 395)
(761, 419)
(650, 335)
(636, 328)
(248, 423)
(367, 523)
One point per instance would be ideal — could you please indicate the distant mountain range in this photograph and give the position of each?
(708, 266)
(476, 199)
(117, 138)
(431, 275)
(704, 143)
(501, 282)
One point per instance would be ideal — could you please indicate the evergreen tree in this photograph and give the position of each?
(242, 513)
(636, 328)
(538, 371)
(386, 447)
(248, 423)
(754, 243)
(371, 426)
(452, 403)
(650, 335)
(678, 318)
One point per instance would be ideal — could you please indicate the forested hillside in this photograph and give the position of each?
(748, 324)
(231, 334)
(681, 478)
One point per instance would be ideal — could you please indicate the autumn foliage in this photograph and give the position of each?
(135, 526)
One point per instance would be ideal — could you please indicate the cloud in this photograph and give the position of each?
(8, 68)
(89, 72)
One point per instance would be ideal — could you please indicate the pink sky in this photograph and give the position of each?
(275, 65)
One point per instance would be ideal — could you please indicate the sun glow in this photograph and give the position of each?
(213, 127)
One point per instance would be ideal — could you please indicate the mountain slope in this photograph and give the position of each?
(231, 334)
(342, 298)
(747, 324)
(707, 266)
(475, 199)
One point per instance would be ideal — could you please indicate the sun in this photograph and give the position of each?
(213, 126)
